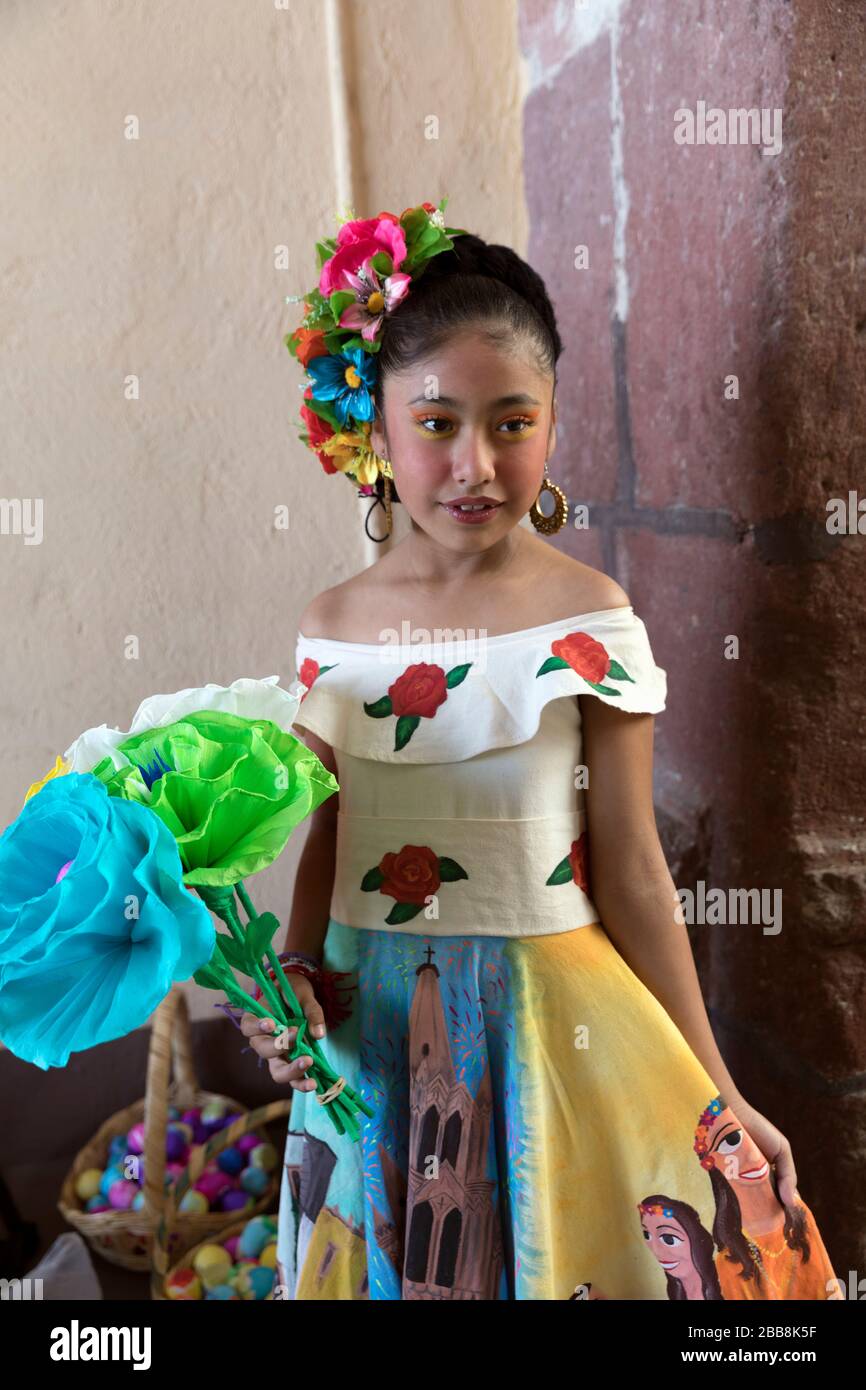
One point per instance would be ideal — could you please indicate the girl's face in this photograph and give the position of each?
(469, 421)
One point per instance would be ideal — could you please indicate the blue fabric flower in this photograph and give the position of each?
(346, 378)
(95, 921)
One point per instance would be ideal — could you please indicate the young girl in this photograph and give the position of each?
(553, 1118)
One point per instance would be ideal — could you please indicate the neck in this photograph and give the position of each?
(760, 1211)
(440, 569)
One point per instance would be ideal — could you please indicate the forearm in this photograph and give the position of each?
(314, 883)
(641, 924)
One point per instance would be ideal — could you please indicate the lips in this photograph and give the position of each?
(755, 1174)
(472, 502)
(477, 514)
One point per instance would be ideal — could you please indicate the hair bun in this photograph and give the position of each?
(472, 255)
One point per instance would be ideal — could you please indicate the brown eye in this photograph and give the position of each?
(523, 420)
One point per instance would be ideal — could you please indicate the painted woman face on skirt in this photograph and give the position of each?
(738, 1157)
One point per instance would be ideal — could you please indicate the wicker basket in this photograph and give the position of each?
(126, 1237)
(165, 1247)
(157, 1286)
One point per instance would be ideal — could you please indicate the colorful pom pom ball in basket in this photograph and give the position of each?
(237, 1261)
(97, 1193)
(221, 1268)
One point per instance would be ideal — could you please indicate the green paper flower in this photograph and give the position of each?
(230, 789)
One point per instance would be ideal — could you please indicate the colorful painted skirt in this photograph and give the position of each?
(542, 1130)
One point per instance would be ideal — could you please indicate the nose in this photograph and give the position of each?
(474, 462)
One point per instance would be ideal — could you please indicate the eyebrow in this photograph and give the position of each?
(519, 398)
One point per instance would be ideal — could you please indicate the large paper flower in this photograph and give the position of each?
(95, 922)
(230, 789)
(57, 770)
(247, 697)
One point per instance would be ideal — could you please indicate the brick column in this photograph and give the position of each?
(707, 263)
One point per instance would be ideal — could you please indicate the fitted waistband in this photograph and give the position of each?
(446, 877)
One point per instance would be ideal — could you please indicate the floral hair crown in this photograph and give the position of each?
(655, 1209)
(364, 274)
(702, 1132)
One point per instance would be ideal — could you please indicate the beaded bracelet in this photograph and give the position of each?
(328, 987)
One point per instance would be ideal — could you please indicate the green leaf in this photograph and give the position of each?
(233, 954)
(406, 726)
(562, 873)
(457, 674)
(260, 933)
(336, 340)
(450, 870)
(324, 410)
(403, 912)
(603, 689)
(340, 300)
(373, 879)
(553, 663)
(382, 263)
(413, 224)
(325, 250)
(356, 341)
(618, 673)
(379, 708)
(208, 978)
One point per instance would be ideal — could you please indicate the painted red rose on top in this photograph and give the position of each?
(411, 875)
(588, 659)
(309, 672)
(415, 695)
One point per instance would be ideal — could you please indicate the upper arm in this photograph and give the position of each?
(624, 846)
(618, 753)
(313, 622)
(325, 814)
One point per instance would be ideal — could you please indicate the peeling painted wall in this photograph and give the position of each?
(707, 263)
(156, 257)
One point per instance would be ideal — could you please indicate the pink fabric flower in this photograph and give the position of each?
(356, 242)
(376, 297)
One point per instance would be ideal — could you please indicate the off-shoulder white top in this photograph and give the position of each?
(462, 795)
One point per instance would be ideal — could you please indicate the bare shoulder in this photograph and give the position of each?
(334, 612)
(316, 619)
(578, 587)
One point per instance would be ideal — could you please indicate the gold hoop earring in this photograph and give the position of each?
(389, 521)
(549, 525)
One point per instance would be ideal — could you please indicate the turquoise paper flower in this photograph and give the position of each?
(95, 921)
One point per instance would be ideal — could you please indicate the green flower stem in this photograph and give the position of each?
(345, 1106)
(245, 899)
(253, 1005)
(324, 1069)
(233, 922)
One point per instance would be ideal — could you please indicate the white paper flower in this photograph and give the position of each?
(247, 697)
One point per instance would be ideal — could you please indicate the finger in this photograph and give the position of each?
(266, 1044)
(314, 1016)
(312, 1009)
(252, 1025)
(786, 1175)
(295, 1072)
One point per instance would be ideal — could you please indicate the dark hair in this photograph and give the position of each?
(474, 282)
